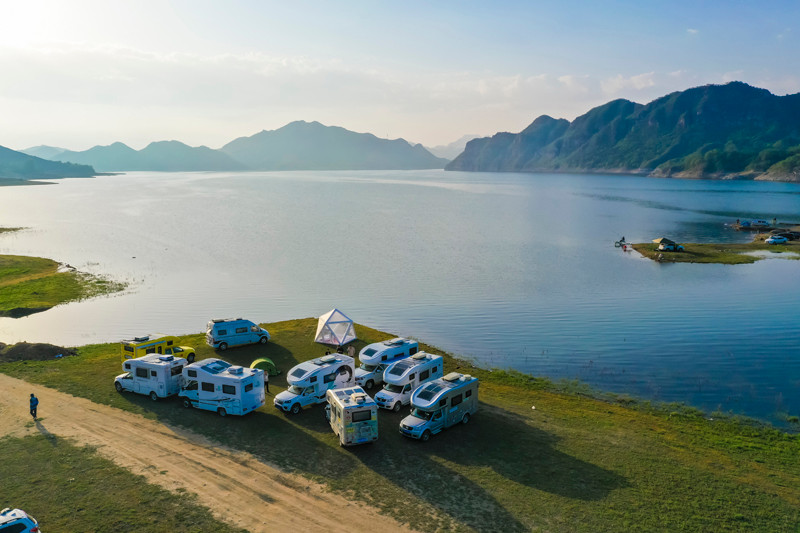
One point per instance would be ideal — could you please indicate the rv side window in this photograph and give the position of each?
(248, 387)
(222, 332)
(468, 394)
(241, 330)
(127, 366)
(150, 350)
(361, 416)
(169, 343)
(413, 350)
(128, 348)
(159, 349)
(434, 369)
(407, 388)
(229, 389)
(456, 400)
(384, 358)
(329, 378)
(141, 372)
(412, 376)
(176, 370)
(424, 374)
(192, 373)
(208, 387)
(153, 374)
(443, 402)
(313, 379)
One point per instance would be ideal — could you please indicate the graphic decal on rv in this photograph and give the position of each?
(343, 376)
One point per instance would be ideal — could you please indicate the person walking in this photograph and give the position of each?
(351, 351)
(34, 405)
(266, 381)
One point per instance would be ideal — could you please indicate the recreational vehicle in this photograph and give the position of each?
(216, 385)
(157, 376)
(403, 377)
(377, 356)
(310, 380)
(353, 416)
(224, 333)
(156, 343)
(439, 404)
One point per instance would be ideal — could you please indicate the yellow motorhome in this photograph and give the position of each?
(155, 343)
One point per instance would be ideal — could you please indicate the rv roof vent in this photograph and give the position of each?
(420, 355)
(327, 359)
(218, 320)
(141, 339)
(165, 358)
(235, 370)
(359, 397)
(452, 376)
(394, 342)
(240, 318)
(467, 377)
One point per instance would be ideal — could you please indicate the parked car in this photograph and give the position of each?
(669, 247)
(17, 521)
(776, 239)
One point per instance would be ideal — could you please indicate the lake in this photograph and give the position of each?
(508, 270)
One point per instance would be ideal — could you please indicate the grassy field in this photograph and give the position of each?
(574, 463)
(67, 488)
(727, 254)
(33, 284)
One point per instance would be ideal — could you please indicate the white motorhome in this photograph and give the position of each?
(439, 404)
(403, 377)
(353, 416)
(223, 333)
(377, 356)
(216, 385)
(310, 380)
(157, 376)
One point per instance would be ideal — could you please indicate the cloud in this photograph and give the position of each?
(614, 85)
(692, 31)
(735, 75)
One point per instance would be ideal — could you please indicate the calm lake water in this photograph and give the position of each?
(509, 270)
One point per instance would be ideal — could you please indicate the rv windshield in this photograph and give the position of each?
(368, 368)
(294, 389)
(391, 387)
(419, 413)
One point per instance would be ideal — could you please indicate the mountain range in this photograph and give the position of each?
(732, 130)
(297, 146)
(16, 165)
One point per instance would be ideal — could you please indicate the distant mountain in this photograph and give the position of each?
(17, 165)
(731, 130)
(165, 156)
(312, 146)
(43, 151)
(450, 151)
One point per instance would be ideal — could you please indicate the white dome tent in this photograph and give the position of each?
(334, 327)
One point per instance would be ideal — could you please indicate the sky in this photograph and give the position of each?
(84, 72)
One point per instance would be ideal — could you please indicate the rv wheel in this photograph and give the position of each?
(465, 419)
(426, 436)
(186, 403)
(369, 384)
(190, 358)
(396, 407)
(295, 409)
(153, 396)
(221, 412)
(118, 386)
(263, 340)
(223, 346)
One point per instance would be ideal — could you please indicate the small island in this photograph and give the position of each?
(723, 253)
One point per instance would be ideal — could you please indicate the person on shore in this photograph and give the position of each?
(34, 405)
(266, 381)
(351, 351)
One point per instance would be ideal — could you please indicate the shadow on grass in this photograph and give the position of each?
(52, 439)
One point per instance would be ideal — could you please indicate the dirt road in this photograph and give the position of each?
(236, 486)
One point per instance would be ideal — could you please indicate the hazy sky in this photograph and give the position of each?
(79, 73)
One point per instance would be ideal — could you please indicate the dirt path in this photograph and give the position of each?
(236, 486)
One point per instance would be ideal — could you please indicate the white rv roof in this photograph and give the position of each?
(429, 393)
(404, 366)
(307, 367)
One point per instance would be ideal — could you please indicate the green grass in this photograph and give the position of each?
(575, 463)
(69, 488)
(33, 284)
(726, 254)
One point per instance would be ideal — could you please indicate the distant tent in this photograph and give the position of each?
(335, 328)
(266, 365)
(663, 240)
